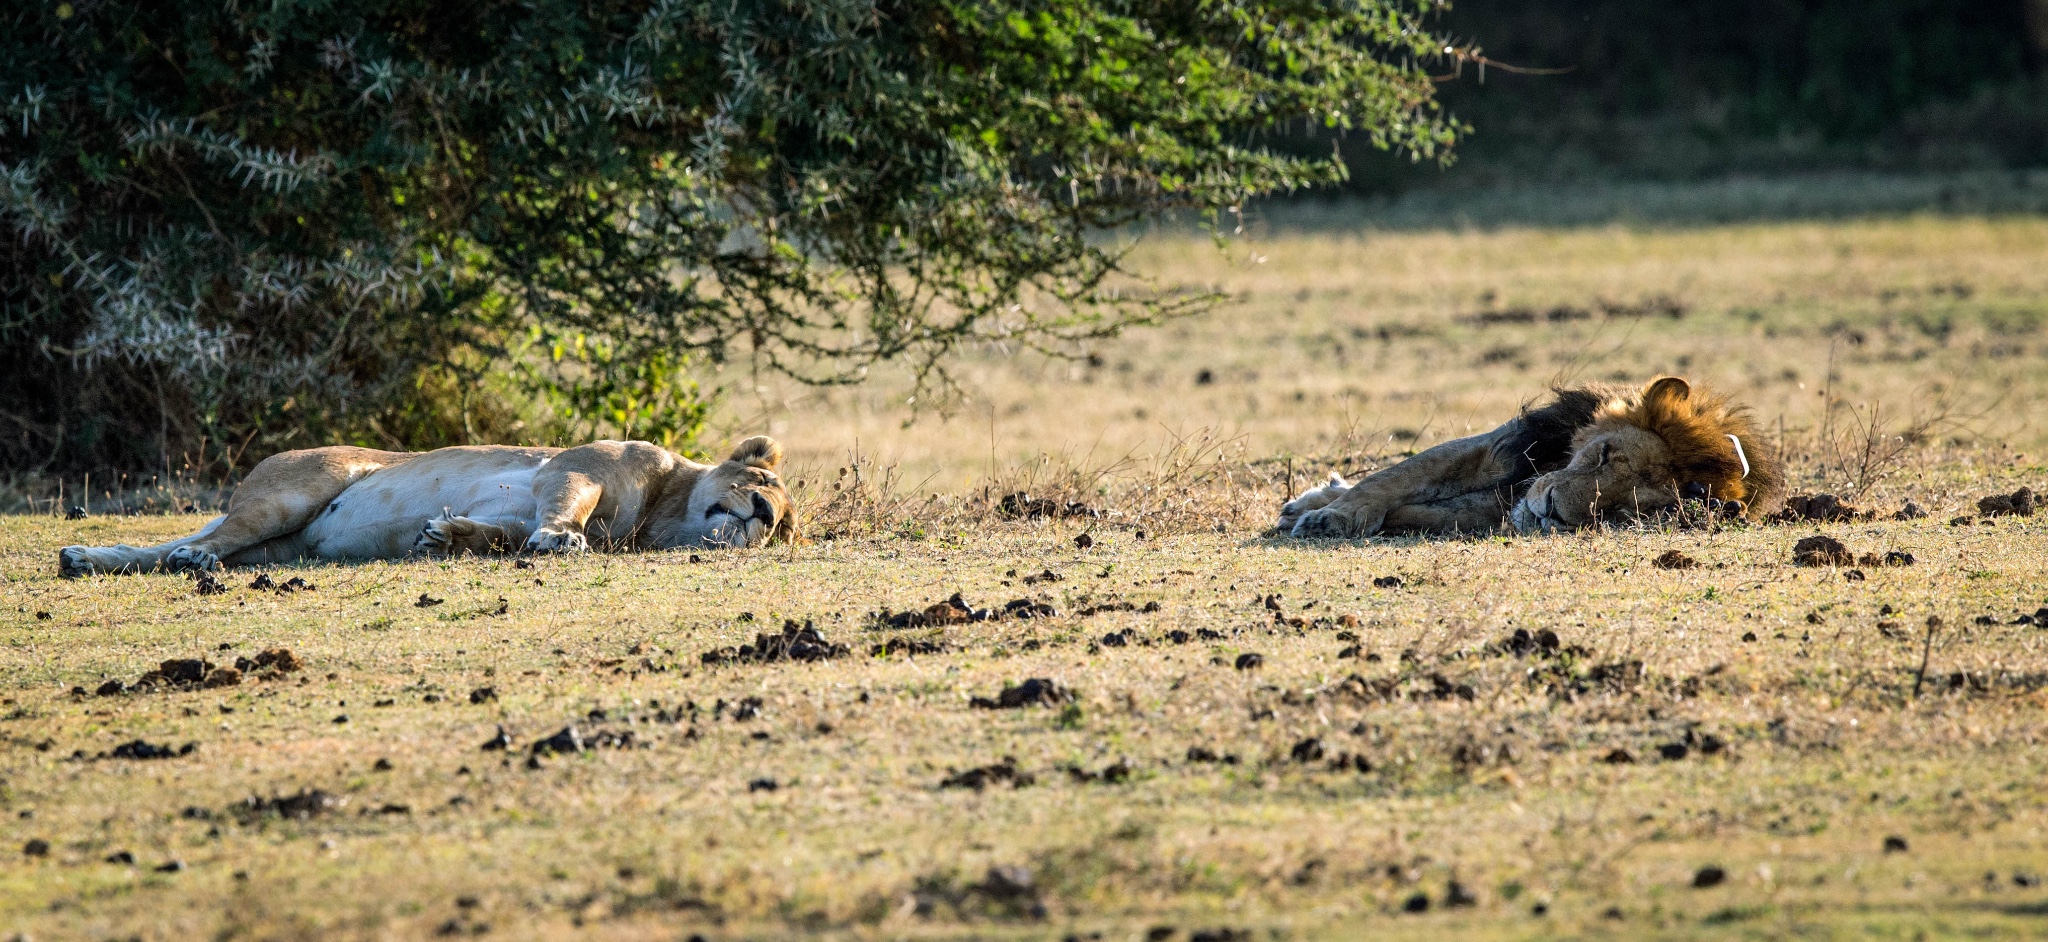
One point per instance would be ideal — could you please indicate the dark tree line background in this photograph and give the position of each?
(1688, 89)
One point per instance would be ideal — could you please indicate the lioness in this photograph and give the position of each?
(1591, 452)
(346, 503)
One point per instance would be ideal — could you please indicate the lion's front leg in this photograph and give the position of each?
(1452, 469)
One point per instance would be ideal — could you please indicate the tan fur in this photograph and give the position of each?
(356, 503)
(1630, 452)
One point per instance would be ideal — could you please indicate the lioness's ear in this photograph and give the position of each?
(758, 452)
(1669, 388)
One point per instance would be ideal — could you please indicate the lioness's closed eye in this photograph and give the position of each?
(345, 503)
(1590, 453)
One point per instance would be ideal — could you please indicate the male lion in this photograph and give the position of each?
(346, 503)
(1592, 452)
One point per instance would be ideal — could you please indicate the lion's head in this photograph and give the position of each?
(1644, 454)
(741, 501)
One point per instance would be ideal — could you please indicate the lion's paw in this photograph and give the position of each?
(547, 540)
(1326, 524)
(73, 562)
(185, 559)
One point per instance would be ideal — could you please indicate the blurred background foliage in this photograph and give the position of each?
(1681, 90)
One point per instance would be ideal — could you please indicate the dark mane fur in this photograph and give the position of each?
(1543, 443)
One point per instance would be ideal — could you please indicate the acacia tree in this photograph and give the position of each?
(237, 227)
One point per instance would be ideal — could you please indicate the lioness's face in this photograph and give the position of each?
(1614, 471)
(742, 502)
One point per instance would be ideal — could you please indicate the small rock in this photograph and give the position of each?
(1084, 541)
(1249, 661)
(1673, 751)
(1307, 750)
(1418, 903)
(171, 866)
(1709, 876)
(381, 765)
(483, 695)
(122, 857)
(36, 847)
(1619, 757)
(763, 785)
(1895, 844)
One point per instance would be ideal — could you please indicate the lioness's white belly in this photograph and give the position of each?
(380, 516)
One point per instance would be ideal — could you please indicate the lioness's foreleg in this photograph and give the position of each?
(1453, 469)
(564, 499)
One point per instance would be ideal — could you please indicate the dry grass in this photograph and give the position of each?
(1485, 767)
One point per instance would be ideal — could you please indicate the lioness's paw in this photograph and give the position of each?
(546, 540)
(443, 535)
(1326, 524)
(185, 559)
(73, 561)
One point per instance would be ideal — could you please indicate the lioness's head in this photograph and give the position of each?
(1644, 454)
(740, 502)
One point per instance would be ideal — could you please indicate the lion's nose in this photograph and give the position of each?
(763, 510)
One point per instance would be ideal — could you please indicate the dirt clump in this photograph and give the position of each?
(1673, 559)
(1022, 506)
(1037, 691)
(1818, 508)
(308, 803)
(275, 660)
(981, 777)
(910, 646)
(2019, 503)
(142, 749)
(793, 643)
(1822, 550)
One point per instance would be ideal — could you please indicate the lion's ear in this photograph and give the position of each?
(1667, 390)
(758, 452)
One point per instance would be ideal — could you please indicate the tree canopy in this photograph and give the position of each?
(238, 227)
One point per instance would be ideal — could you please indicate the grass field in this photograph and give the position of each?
(1813, 752)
